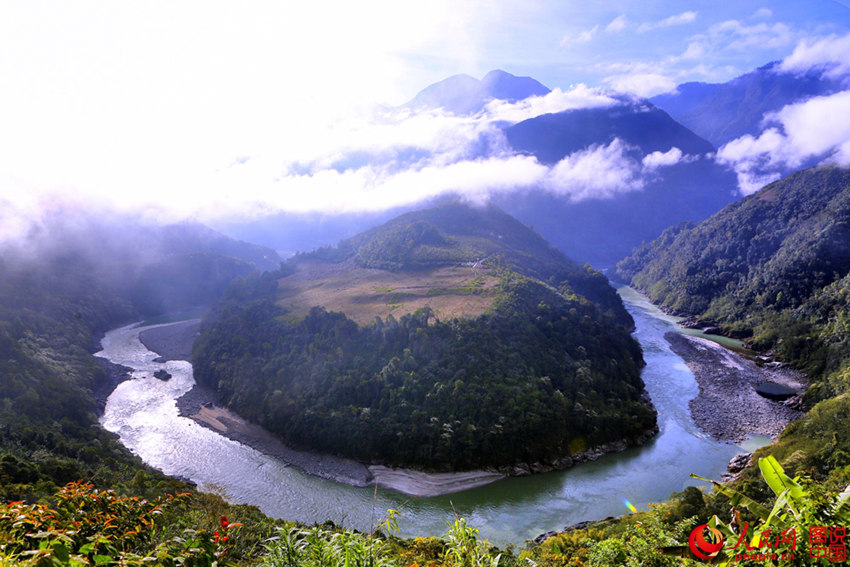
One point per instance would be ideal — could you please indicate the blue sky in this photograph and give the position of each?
(214, 109)
(652, 44)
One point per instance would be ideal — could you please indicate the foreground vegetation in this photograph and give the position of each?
(802, 525)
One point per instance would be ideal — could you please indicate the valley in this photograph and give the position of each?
(445, 285)
(508, 511)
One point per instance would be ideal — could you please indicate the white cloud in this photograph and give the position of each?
(583, 37)
(830, 55)
(617, 25)
(587, 35)
(803, 132)
(641, 84)
(677, 20)
(369, 189)
(658, 159)
(599, 172)
(737, 36)
(578, 96)
(374, 159)
(763, 14)
(147, 104)
(695, 50)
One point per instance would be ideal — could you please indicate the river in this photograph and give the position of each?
(143, 412)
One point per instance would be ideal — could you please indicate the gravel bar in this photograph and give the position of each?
(728, 407)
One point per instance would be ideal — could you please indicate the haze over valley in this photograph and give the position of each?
(423, 283)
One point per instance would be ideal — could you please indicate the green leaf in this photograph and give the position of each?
(779, 482)
(60, 552)
(841, 510)
(775, 519)
(102, 559)
(738, 499)
(776, 478)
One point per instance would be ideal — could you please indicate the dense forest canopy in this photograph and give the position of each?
(772, 249)
(547, 371)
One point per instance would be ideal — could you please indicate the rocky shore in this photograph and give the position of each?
(172, 342)
(728, 406)
(115, 374)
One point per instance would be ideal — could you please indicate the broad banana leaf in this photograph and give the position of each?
(779, 482)
(738, 499)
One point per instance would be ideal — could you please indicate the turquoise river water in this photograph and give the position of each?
(143, 412)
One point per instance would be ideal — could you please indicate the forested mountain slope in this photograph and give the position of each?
(61, 286)
(458, 339)
(774, 249)
(721, 112)
(601, 227)
(773, 267)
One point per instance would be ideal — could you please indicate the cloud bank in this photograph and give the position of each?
(800, 134)
(375, 159)
(578, 96)
(829, 55)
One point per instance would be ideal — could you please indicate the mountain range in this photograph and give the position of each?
(662, 154)
(722, 112)
(602, 229)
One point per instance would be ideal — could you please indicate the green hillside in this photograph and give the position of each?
(531, 370)
(773, 268)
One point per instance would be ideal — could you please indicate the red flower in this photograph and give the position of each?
(224, 522)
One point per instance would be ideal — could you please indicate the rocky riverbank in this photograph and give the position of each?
(728, 407)
(172, 342)
(115, 374)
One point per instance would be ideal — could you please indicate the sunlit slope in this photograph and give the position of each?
(446, 258)
(365, 293)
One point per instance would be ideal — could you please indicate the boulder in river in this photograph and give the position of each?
(774, 391)
(739, 462)
(162, 375)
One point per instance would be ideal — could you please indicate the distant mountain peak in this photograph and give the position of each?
(463, 94)
(722, 112)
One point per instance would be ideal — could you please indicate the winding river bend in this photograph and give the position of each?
(143, 412)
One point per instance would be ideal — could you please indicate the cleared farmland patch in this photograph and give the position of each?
(365, 293)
